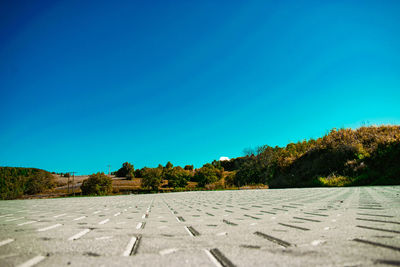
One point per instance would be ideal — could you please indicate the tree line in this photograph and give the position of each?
(342, 157)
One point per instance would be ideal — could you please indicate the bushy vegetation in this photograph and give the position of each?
(15, 182)
(368, 155)
(207, 174)
(152, 177)
(177, 176)
(127, 170)
(344, 157)
(97, 184)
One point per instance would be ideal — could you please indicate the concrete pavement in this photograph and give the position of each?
(357, 226)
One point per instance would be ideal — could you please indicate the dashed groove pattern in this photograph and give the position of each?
(279, 227)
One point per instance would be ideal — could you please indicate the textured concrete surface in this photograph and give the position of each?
(357, 226)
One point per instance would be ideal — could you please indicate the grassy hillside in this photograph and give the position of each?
(365, 156)
(15, 182)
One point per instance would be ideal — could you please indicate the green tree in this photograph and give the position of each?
(152, 177)
(189, 167)
(178, 177)
(207, 174)
(127, 170)
(97, 184)
(217, 164)
(169, 165)
(138, 173)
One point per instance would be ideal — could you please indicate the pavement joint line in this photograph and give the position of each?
(212, 258)
(6, 241)
(373, 220)
(287, 206)
(279, 209)
(33, 261)
(306, 219)
(387, 262)
(79, 235)
(24, 223)
(228, 222)
(378, 215)
(253, 217)
(140, 225)
(104, 221)
(274, 239)
(316, 214)
(129, 247)
(192, 231)
(294, 226)
(97, 212)
(369, 208)
(221, 258)
(49, 227)
(250, 246)
(270, 212)
(136, 245)
(378, 229)
(79, 218)
(376, 244)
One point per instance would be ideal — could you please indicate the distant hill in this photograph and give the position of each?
(15, 182)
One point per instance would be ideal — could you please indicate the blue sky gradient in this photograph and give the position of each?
(85, 84)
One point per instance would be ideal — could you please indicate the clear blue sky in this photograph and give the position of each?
(85, 84)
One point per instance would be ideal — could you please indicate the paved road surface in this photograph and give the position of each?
(357, 226)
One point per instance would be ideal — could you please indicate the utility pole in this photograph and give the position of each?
(109, 167)
(68, 183)
(73, 182)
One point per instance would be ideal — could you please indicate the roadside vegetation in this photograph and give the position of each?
(15, 182)
(344, 157)
(97, 184)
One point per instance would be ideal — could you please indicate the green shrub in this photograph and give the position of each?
(207, 174)
(230, 179)
(97, 184)
(152, 177)
(14, 181)
(177, 177)
(334, 180)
